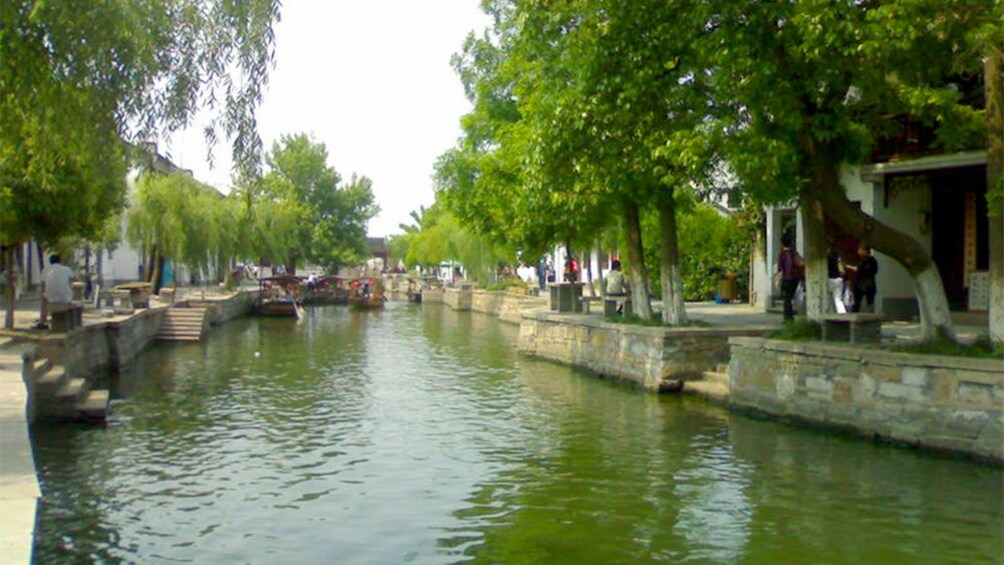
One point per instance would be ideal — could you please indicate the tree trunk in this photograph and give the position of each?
(28, 279)
(674, 311)
(994, 86)
(149, 267)
(154, 281)
(824, 187)
(8, 269)
(99, 264)
(640, 298)
(817, 295)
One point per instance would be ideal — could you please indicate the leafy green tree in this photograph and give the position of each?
(332, 218)
(573, 105)
(79, 77)
(494, 180)
(812, 86)
(710, 246)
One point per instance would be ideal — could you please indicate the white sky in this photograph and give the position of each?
(371, 79)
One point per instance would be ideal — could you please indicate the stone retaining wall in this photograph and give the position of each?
(509, 307)
(222, 309)
(947, 403)
(433, 295)
(109, 344)
(655, 358)
(459, 298)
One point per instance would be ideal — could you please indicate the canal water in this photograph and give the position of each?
(418, 435)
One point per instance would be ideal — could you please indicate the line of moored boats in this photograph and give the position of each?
(286, 295)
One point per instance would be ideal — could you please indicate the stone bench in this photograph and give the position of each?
(566, 297)
(66, 317)
(587, 301)
(109, 298)
(854, 328)
(612, 303)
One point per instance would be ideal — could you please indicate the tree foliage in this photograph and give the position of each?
(80, 77)
(813, 85)
(710, 246)
(331, 217)
(437, 236)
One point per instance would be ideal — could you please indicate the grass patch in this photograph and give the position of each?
(799, 329)
(982, 348)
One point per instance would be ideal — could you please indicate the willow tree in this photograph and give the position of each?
(438, 236)
(174, 217)
(80, 78)
(813, 85)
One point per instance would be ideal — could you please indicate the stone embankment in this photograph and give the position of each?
(944, 403)
(657, 358)
(947, 403)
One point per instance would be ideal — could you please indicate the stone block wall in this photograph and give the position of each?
(458, 298)
(226, 308)
(509, 307)
(949, 403)
(110, 344)
(655, 358)
(433, 295)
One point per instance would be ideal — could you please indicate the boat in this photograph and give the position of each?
(326, 290)
(366, 293)
(279, 296)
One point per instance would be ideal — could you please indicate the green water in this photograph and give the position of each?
(418, 435)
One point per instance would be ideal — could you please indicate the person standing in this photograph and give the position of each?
(789, 266)
(864, 284)
(58, 288)
(835, 275)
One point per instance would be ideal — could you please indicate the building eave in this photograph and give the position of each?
(875, 172)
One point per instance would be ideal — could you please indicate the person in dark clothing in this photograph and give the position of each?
(864, 284)
(789, 265)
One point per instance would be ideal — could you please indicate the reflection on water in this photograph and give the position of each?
(417, 435)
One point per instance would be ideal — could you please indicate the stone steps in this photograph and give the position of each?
(182, 324)
(10, 362)
(52, 379)
(93, 405)
(713, 385)
(62, 397)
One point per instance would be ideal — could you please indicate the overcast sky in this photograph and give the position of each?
(371, 80)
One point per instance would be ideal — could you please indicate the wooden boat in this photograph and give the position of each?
(366, 293)
(326, 290)
(279, 296)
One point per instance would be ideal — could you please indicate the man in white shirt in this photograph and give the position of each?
(615, 280)
(58, 287)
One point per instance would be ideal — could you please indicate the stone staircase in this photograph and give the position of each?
(183, 324)
(61, 397)
(713, 385)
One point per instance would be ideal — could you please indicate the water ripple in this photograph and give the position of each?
(417, 435)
